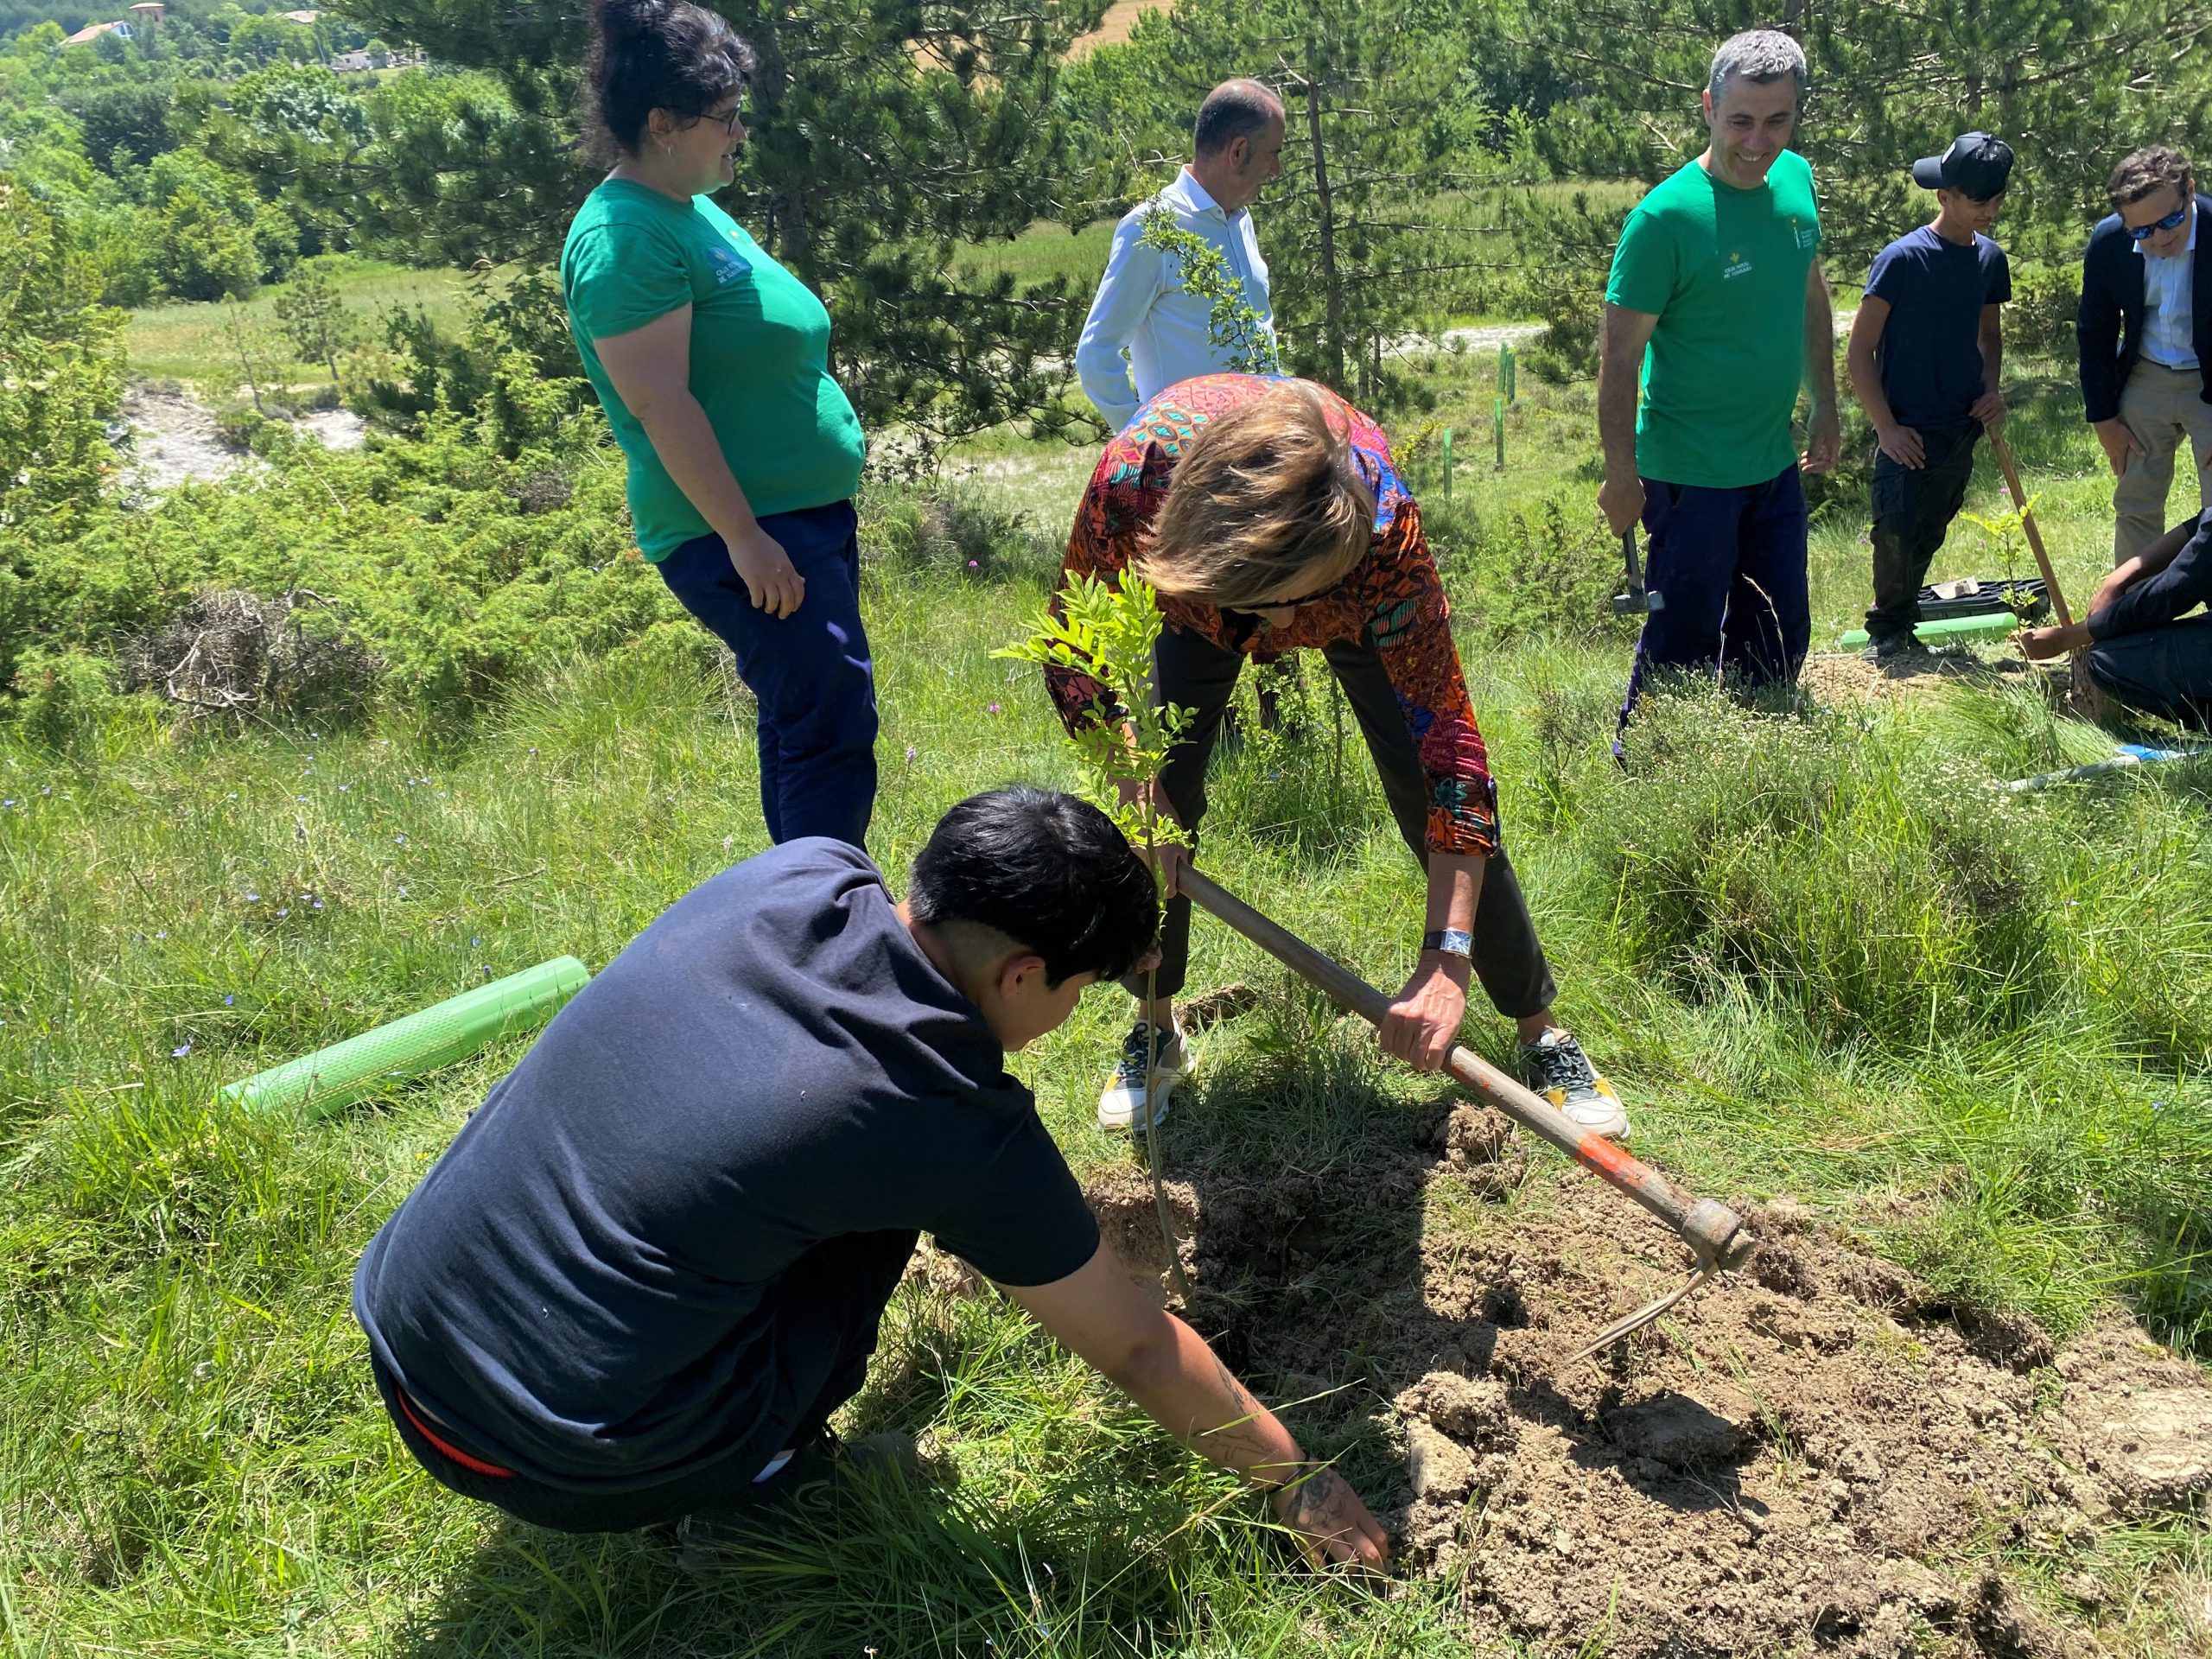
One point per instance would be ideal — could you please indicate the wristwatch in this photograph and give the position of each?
(1450, 942)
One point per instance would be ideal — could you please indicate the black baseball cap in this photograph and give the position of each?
(1976, 165)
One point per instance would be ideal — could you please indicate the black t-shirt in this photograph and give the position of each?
(1930, 354)
(586, 1286)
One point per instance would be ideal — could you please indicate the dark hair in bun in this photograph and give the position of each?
(657, 55)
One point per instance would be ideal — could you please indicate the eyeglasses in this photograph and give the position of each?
(727, 122)
(2144, 233)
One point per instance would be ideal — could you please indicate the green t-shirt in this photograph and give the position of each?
(759, 354)
(1725, 271)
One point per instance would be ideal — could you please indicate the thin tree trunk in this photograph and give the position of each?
(1331, 290)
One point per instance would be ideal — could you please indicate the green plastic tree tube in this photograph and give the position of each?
(452, 1030)
(1993, 625)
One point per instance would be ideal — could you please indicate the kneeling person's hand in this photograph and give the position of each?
(1166, 1368)
(1333, 1526)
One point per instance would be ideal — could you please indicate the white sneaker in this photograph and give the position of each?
(1118, 1103)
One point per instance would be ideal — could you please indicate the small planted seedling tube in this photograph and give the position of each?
(1498, 429)
(1505, 372)
(332, 1077)
(1447, 463)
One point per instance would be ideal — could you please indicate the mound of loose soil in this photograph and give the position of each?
(1815, 1456)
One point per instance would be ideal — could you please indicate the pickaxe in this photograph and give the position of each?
(1713, 1232)
(1638, 601)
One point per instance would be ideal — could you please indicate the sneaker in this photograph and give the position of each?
(802, 1490)
(1558, 1070)
(1117, 1104)
(1893, 652)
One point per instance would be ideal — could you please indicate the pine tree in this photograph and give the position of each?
(883, 132)
(2071, 85)
(1367, 236)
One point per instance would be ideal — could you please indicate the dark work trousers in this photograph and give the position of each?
(1732, 565)
(1198, 674)
(810, 672)
(2162, 671)
(1913, 509)
(832, 1300)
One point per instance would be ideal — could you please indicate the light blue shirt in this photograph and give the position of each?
(1140, 308)
(2167, 323)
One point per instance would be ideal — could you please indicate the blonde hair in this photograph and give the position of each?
(1268, 496)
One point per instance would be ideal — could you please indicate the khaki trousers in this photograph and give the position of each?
(2165, 409)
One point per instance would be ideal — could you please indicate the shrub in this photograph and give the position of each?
(60, 380)
(2040, 320)
(1549, 573)
(458, 568)
(61, 696)
(1881, 890)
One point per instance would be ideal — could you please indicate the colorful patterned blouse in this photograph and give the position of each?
(1393, 597)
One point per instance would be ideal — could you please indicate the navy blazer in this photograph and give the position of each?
(2109, 323)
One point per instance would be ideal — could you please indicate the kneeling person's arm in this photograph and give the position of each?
(1166, 1368)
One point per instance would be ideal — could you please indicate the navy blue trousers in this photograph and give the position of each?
(2165, 671)
(1732, 565)
(809, 672)
(833, 1300)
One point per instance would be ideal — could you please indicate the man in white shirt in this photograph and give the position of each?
(1140, 308)
(2147, 346)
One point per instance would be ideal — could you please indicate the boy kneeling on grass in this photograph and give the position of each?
(652, 1264)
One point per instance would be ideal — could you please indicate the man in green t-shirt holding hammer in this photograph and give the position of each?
(1717, 295)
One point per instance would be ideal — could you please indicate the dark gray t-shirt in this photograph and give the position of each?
(587, 1285)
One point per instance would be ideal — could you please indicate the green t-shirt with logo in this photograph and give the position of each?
(1725, 271)
(759, 354)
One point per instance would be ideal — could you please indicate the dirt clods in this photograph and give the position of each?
(1815, 1456)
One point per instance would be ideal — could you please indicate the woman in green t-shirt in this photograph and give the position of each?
(712, 362)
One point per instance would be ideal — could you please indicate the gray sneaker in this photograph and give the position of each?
(1118, 1102)
(1558, 1070)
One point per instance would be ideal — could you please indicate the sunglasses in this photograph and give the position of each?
(2144, 233)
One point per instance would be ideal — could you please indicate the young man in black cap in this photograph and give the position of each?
(652, 1263)
(1925, 356)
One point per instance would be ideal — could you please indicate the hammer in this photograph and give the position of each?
(1637, 601)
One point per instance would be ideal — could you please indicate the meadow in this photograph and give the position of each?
(1825, 955)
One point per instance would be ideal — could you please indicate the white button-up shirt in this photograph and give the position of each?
(2168, 327)
(1140, 305)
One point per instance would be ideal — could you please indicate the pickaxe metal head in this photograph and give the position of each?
(1638, 601)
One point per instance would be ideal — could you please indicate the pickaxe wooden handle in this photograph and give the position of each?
(1713, 1232)
(2028, 524)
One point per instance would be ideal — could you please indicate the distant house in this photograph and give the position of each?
(92, 32)
(301, 17)
(347, 63)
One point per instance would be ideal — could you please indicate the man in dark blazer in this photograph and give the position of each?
(2146, 344)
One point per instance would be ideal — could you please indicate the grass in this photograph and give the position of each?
(191, 341)
(1823, 954)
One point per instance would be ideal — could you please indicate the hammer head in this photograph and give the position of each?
(1638, 601)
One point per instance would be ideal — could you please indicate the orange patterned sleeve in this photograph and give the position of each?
(1411, 626)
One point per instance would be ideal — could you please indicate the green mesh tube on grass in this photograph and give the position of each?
(1994, 626)
(450, 1030)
